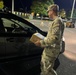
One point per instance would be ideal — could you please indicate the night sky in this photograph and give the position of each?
(25, 4)
(65, 4)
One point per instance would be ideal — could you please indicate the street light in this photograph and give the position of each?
(12, 6)
(72, 9)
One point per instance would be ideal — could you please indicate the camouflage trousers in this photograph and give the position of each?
(47, 64)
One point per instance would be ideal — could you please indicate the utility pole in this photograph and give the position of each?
(12, 6)
(72, 9)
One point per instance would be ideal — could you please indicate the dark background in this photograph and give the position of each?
(25, 4)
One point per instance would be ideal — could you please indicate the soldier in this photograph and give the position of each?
(52, 42)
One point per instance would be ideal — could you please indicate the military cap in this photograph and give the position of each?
(53, 7)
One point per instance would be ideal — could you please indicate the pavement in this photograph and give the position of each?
(67, 65)
(68, 58)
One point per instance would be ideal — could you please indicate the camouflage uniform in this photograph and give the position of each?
(52, 47)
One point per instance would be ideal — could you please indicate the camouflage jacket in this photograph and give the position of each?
(54, 35)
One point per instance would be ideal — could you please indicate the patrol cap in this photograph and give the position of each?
(53, 7)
